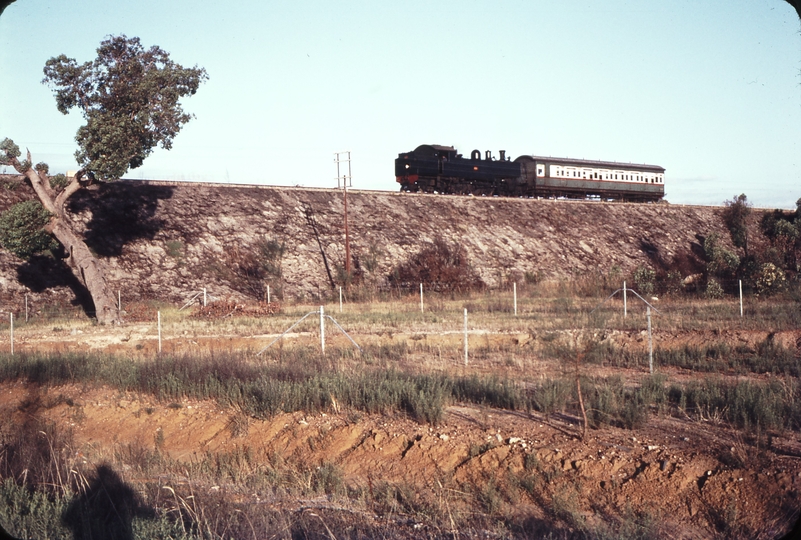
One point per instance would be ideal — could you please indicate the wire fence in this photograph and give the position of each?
(423, 297)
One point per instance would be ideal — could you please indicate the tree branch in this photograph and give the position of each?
(37, 184)
(69, 190)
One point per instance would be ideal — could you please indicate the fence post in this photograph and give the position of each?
(421, 298)
(322, 329)
(268, 294)
(11, 320)
(119, 300)
(26, 308)
(465, 336)
(650, 342)
(741, 298)
(625, 305)
(514, 285)
(158, 313)
(204, 297)
(340, 298)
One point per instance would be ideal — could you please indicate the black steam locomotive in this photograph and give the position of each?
(441, 169)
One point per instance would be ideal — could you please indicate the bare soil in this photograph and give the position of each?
(697, 478)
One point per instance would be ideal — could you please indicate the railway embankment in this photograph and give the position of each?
(167, 240)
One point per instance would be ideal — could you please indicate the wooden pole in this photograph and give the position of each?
(421, 298)
(347, 237)
(159, 325)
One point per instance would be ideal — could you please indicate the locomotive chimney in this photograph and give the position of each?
(503, 154)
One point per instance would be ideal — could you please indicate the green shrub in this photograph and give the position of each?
(58, 182)
(644, 279)
(770, 279)
(713, 289)
(21, 229)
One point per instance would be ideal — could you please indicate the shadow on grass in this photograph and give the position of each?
(106, 508)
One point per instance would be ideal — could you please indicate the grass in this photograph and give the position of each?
(307, 382)
(395, 374)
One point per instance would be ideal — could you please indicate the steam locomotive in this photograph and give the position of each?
(432, 168)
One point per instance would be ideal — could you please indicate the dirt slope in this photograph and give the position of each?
(669, 469)
(168, 240)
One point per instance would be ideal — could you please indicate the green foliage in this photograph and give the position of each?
(9, 152)
(644, 279)
(770, 279)
(720, 261)
(783, 230)
(28, 513)
(735, 216)
(21, 229)
(175, 249)
(747, 405)
(713, 289)
(58, 182)
(129, 97)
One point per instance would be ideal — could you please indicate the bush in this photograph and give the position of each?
(770, 280)
(441, 266)
(713, 289)
(21, 229)
(644, 279)
(58, 182)
(251, 269)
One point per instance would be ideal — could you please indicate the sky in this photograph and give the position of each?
(711, 90)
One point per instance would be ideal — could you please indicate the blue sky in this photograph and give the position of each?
(709, 90)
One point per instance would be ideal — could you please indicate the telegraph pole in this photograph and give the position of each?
(344, 181)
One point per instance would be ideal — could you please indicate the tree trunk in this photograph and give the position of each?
(87, 269)
(80, 259)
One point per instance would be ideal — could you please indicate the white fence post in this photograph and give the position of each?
(268, 294)
(26, 308)
(650, 342)
(741, 298)
(158, 313)
(421, 298)
(515, 295)
(625, 304)
(204, 297)
(11, 320)
(119, 300)
(340, 298)
(465, 336)
(322, 329)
